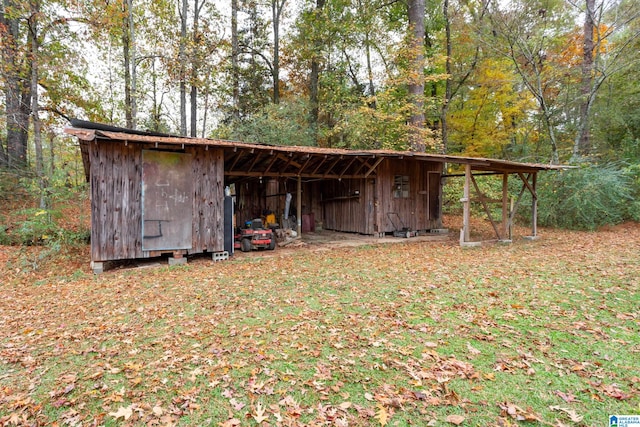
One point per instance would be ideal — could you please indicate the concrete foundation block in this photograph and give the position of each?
(97, 267)
(220, 256)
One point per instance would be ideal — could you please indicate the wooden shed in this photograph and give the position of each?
(153, 194)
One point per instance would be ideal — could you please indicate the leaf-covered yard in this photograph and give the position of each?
(534, 333)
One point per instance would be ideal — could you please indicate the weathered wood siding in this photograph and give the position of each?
(116, 200)
(348, 205)
(208, 199)
(419, 211)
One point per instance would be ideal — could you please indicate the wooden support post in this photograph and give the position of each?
(534, 207)
(506, 224)
(466, 206)
(299, 207)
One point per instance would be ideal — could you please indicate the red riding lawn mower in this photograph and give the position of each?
(254, 236)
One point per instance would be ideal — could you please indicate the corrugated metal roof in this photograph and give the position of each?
(301, 154)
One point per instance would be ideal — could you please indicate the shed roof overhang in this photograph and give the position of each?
(261, 160)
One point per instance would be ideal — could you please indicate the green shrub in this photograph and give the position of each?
(588, 197)
(38, 227)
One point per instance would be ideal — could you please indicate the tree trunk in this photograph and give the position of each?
(182, 58)
(52, 152)
(276, 10)
(16, 90)
(35, 116)
(126, 52)
(194, 69)
(134, 73)
(372, 88)
(448, 82)
(235, 51)
(314, 78)
(416, 74)
(582, 145)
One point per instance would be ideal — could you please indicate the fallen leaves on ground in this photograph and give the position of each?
(535, 332)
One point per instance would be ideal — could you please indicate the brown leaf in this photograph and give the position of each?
(260, 416)
(345, 405)
(573, 416)
(472, 350)
(567, 397)
(382, 415)
(455, 419)
(517, 413)
(123, 412)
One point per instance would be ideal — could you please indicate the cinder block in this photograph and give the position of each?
(220, 256)
(97, 267)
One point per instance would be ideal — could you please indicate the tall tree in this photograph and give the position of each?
(129, 56)
(17, 88)
(235, 53)
(276, 15)
(182, 59)
(34, 39)
(416, 13)
(608, 37)
(314, 76)
(195, 65)
(582, 146)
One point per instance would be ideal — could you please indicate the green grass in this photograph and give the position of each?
(418, 331)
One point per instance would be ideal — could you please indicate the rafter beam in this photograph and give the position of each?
(255, 160)
(348, 166)
(333, 165)
(373, 168)
(320, 164)
(290, 160)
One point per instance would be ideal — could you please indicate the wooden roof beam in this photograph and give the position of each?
(305, 164)
(255, 160)
(290, 160)
(235, 161)
(290, 175)
(275, 158)
(332, 166)
(348, 166)
(373, 168)
(364, 163)
(320, 164)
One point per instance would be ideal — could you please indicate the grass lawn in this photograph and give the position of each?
(422, 334)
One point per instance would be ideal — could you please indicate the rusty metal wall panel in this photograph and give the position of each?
(167, 200)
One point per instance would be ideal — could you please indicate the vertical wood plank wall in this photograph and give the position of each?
(208, 200)
(116, 200)
(344, 210)
(420, 211)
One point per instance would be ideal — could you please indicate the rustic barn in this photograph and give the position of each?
(153, 194)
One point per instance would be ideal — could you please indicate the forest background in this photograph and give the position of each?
(551, 81)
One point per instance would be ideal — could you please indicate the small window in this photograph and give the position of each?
(401, 187)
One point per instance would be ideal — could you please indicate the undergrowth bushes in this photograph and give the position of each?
(22, 223)
(583, 198)
(590, 196)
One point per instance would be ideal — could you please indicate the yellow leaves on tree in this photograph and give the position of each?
(492, 113)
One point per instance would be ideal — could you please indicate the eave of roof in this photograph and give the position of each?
(476, 163)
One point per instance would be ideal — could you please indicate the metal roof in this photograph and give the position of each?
(256, 160)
